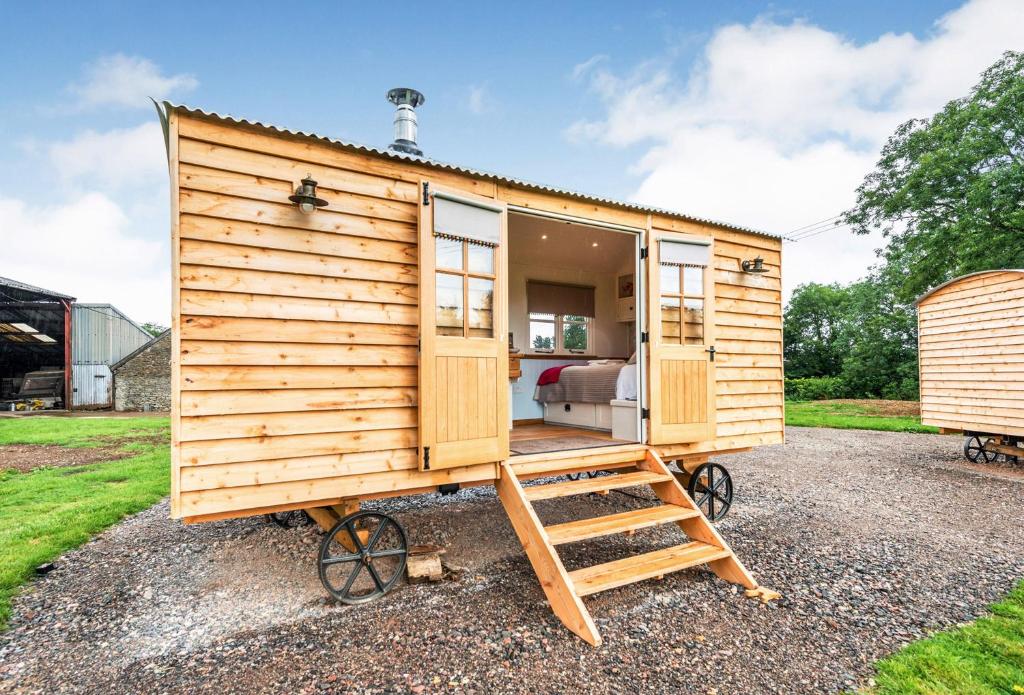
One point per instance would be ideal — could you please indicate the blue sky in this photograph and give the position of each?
(663, 103)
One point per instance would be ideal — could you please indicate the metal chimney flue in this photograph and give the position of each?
(405, 100)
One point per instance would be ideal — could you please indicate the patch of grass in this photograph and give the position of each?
(47, 511)
(849, 416)
(984, 657)
(81, 431)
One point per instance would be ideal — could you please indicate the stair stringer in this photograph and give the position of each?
(547, 565)
(698, 528)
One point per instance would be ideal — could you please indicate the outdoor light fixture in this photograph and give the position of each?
(305, 196)
(754, 266)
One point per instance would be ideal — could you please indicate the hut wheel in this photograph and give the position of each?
(974, 450)
(362, 557)
(710, 488)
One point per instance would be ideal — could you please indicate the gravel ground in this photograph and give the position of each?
(874, 538)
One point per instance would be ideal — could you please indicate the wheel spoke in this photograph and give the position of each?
(376, 534)
(376, 577)
(354, 536)
(338, 559)
(351, 579)
(721, 481)
(394, 552)
(725, 501)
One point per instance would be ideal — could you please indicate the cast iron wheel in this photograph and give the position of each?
(291, 519)
(362, 557)
(582, 474)
(974, 450)
(710, 488)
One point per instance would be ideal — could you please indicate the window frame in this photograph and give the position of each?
(466, 275)
(559, 323)
(681, 297)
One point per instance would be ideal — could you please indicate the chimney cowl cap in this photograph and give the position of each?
(400, 96)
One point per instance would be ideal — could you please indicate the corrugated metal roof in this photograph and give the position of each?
(458, 169)
(114, 367)
(101, 334)
(25, 287)
(932, 291)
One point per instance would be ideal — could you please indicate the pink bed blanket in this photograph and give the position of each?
(550, 375)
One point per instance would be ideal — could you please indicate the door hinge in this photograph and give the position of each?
(643, 253)
(645, 413)
(426, 458)
(645, 337)
(712, 351)
(426, 193)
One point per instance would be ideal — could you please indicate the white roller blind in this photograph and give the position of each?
(455, 218)
(684, 253)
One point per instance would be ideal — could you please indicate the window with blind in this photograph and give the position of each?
(682, 269)
(561, 317)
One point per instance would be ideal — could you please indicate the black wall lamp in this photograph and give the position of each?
(305, 196)
(754, 266)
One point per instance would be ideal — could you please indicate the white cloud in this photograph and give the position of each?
(581, 69)
(478, 101)
(776, 124)
(84, 248)
(127, 81)
(131, 156)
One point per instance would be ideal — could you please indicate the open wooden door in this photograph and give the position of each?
(463, 375)
(680, 317)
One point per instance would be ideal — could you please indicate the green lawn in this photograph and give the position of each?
(847, 416)
(982, 658)
(49, 510)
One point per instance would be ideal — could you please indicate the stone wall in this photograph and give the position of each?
(143, 380)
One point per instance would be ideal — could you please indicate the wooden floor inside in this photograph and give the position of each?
(542, 438)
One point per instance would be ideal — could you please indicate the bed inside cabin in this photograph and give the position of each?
(573, 335)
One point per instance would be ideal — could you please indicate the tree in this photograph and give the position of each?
(948, 191)
(813, 326)
(154, 329)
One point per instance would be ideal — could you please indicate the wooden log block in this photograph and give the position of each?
(424, 564)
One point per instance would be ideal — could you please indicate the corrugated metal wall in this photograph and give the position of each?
(100, 336)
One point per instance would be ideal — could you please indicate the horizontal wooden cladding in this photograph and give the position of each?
(220, 255)
(737, 278)
(291, 331)
(256, 496)
(724, 359)
(978, 304)
(1010, 345)
(749, 294)
(967, 396)
(1013, 325)
(205, 378)
(941, 371)
(744, 427)
(744, 306)
(952, 358)
(197, 277)
(724, 373)
(293, 400)
(208, 452)
(235, 426)
(737, 387)
(246, 305)
(983, 409)
(1013, 312)
(754, 413)
(733, 443)
(724, 332)
(317, 154)
(236, 185)
(223, 352)
(968, 383)
(973, 338)
(288, 469)
(287, 214)
(975, 286)
(747, 400)
(748, 347)
(299, 240)
(262, 165)
(970, 422)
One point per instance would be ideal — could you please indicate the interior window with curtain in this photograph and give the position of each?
(561, 317)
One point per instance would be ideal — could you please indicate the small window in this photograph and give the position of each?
(560, 334)
(682, 294)
(464, 291)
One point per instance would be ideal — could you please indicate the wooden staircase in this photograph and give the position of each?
(632, 465)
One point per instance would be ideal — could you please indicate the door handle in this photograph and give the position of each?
(712, 351)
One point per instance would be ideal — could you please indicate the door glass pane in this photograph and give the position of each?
(481, 308)
(449, 304)
(670, 279)
(693, 321)
(542, 333)
(481, 259)
(574, 333)
(693, 282)
(670, 325)
(448, 253)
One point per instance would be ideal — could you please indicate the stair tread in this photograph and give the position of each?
(632, 520)
(609, 575)
(598, 484)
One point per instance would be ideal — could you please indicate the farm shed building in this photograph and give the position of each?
(351, 322)
(45, 330)
(142, 379)
(971, 352)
